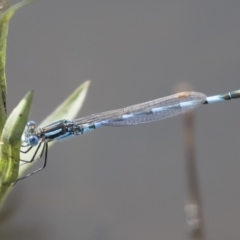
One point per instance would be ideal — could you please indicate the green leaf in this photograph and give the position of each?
(70, 108)
(4, 22)
(11, 142)
(67, 110)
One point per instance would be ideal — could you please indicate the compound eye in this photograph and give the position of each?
(31, 125)
(33, 140)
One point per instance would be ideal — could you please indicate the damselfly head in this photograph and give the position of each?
(29, 135)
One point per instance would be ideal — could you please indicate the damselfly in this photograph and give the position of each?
(38, 138)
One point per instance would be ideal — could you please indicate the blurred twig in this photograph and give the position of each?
(193, 206)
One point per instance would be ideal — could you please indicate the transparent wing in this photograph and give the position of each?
(146, 112)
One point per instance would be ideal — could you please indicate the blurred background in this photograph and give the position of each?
(126, 183)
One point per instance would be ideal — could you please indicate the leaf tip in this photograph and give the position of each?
(87, 83)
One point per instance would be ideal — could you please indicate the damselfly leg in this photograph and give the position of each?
(41, 149)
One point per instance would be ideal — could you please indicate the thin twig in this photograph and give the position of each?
(193, 206)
